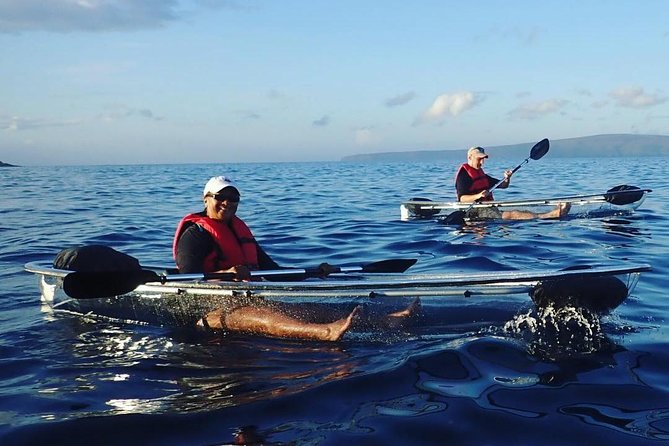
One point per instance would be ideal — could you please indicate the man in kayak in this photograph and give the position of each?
(472, 184)
(216, 240)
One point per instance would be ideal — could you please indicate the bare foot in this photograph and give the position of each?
(563, 209)
(401, 318)
(213, 320)
(409, 311)
(560, 211)
(337, 329)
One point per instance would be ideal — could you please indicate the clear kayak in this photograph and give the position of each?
(181, 299)
(612, 202)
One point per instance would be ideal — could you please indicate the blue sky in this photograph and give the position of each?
(171, 81)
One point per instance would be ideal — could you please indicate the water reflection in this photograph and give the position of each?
(599, 388)
(195, 372)
(363, 419)
(625, 227)
(236, 372)
(250, 436)
(644, 423)
(632, 227)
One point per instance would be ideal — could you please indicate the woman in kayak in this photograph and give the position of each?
(472, 184)
(216, 240)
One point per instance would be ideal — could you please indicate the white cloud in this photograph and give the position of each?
(635, 97)
(366, 136)
(321, 122)
(453, 104)
(18, 123)
(249, 114)
(538, 109)
(86, 15)
(400, 99)
(119, 112)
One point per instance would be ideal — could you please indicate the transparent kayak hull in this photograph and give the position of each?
(582, 206)
(181, 303)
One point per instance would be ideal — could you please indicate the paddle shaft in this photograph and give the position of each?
(96, 284)
(426, 203)
(309, 272)
(593, 196)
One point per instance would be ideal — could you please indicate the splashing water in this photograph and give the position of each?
(555, 332)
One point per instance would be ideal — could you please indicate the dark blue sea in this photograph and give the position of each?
(466, 379)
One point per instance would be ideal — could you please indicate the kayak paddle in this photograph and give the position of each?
(624, 194)
(537, 152)
(97, 284)
(600, 295)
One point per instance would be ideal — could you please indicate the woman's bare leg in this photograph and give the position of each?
(269, 322)
(560, 211)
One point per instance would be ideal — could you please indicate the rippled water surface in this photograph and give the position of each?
(472, 375)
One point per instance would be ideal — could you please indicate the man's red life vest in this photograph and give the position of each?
(235, 244)
(480, 181)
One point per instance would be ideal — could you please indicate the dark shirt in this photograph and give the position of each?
(196, 243)
(463, 182)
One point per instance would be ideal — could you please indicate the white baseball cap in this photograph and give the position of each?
(217, 184)
(478, 152)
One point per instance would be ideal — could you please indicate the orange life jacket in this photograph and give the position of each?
(235, 244)
(480, 181)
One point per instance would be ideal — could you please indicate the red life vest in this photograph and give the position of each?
(235, 244)
(480, 181)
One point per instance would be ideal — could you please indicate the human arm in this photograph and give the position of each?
(505, 182)
(193, 247)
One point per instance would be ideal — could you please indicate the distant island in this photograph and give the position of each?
(7, 165)
(622, 145)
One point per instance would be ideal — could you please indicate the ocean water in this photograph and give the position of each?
(474, 376)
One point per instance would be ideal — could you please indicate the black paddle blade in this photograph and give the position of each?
(623, 194)
(540, 149)
(389, 266)
(598, 294)
(97, 284)
(456, 218)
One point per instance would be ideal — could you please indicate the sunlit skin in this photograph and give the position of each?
(265, 321)
(272, 323)
(220, 210)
